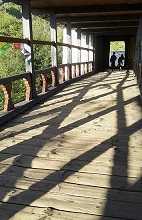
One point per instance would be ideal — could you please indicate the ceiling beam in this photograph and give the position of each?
(105, 24)
(105, 18)
(99, 8)
(111, 31)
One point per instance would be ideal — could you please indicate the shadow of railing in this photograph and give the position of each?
(8, 178)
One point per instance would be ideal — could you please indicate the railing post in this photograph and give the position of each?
(63, 73)
(54, 54)
(73, 71)
(28, 49)
(87, 44)
(94, 40)
(67, 52)
(77, 70)
(68, 72)
(79, 44)
(53, 74)
(8, 104)
(44, 82)
(28, 88)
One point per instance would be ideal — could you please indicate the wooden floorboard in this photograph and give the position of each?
(77, 155)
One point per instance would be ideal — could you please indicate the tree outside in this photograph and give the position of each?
(119, 48)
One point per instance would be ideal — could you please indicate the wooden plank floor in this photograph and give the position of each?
(78, 155)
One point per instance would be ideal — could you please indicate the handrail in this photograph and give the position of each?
(46, 70)
(43, 42)
(52, 43)
(66, 72)
(14, 78)
(13, 40)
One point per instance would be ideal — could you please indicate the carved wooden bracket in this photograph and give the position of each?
(8, 104)
(63, 73)
(53, 79)
(28, 88)
(44, 82)
(74, 71)
(77, 70)
(68, 73)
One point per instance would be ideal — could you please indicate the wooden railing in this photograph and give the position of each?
(138, 75)
(66, 72)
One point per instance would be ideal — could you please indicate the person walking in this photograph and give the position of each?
(112, 60)
(120, 61)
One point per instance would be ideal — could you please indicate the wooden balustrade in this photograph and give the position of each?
(8, 104)
(53, 79)
(138, 75)
(28, 85)
(72, 71)
(44, 82)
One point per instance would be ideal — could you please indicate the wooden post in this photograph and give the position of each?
(54, 55)
(67, 51)
(28, 49)
(8, 104)
(78, 70)
(28, 88)
(73, 71)
(79, 44)
(53, 78)
(94, 40)
(63, 73)
(68, 72)
(44, 82)
(87, 44)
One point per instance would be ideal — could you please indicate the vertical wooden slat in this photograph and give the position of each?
(44, 82)
(63, 74)
(79, 44)
(28, 88)
(53, 74)
(54, 55)
(8, 104)
(28, 49)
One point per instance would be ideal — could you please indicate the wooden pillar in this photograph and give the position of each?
(87, 44)
(94, 42)
(54, 55)
(140, 64)
(67, 51)
(140, 39)
(28, 49)
(79, 51)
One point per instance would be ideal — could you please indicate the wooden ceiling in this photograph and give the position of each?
(97, 16)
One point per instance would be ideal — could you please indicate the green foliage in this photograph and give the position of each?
(41, 29)
(9, 25)
(18, 91)
(12, 62)
(117, 46)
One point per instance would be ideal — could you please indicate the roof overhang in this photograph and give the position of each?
(95, 16)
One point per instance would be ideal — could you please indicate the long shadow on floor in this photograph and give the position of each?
(8, 178)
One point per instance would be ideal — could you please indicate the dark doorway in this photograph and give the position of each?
(119, 48)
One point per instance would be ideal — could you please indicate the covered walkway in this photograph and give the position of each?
(77, 155)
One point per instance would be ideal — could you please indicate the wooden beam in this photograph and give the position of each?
(27, 33)
(99, 8)
(104, 18)
(107, 24)
(114, 31)
(54, 55)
